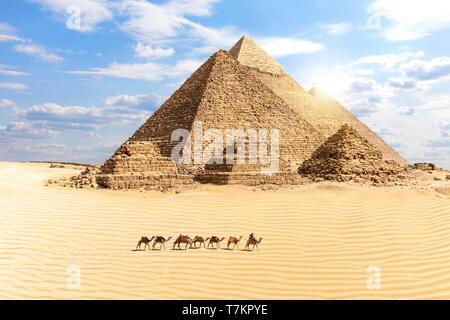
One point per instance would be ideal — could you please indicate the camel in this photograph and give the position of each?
(146, 241)
(199, 240)
(235, 241)
(182, 239)
(161, 241)
(254, 243)
(216, 240)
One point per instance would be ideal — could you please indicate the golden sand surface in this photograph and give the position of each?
(318, 240)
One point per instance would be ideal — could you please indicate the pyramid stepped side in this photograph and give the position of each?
(144, 160)
(348, 156)
(140, 156)
(235, 99)
(139, 164)
(248, 53)
(347, 117)
(177, 112)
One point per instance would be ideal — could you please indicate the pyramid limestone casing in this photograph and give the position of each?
(326, 115)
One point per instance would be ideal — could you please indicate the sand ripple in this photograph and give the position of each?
(317, 243)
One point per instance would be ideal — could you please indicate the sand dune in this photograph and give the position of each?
(318, 241)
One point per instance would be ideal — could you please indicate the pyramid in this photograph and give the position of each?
(325, 114)
(347, 117)
(222, 94)
(348, 156)
(139, 164)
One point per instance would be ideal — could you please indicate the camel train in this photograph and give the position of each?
(186, 241)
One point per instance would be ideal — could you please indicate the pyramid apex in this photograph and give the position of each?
(250, 54)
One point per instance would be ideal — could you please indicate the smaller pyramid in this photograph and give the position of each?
(348, 156)
(139, 164)
(346, 117)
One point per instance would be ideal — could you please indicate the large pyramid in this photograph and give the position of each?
(319, 109)
(347, 156)
(222, 94)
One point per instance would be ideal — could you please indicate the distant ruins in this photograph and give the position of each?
(246, 88)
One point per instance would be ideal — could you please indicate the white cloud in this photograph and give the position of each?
(145, 101)
(150, 22)
(147, 51)
(8, 33)
(337, 28)
(406, 111)
(361, 72)
(146, 71)
(55, 112)
(281, 47)
(6, 28)
(9, 38)
(444, 125)
(411, 19)
(7, 103)
(54, 117)
(13, 86)
(91, 12)
(358, 85)
(22, 129)
(214, 39)
(39, 52)
(388, 61)
(435, 69)
(6, 70)
(421, 74)
(402, 83)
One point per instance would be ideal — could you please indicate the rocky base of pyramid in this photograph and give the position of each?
(86, 179)
(250, 178)
(149, 181)
(247, 172)
(348, 157)
(377, 178)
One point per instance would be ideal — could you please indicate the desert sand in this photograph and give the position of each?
(318, 240)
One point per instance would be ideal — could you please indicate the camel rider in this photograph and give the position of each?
(252, 237)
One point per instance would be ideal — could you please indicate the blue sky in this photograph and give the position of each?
(78, 77)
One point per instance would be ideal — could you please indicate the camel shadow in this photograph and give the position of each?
(138, 250)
